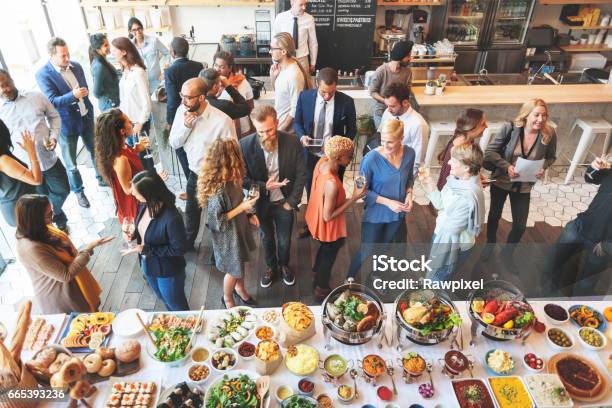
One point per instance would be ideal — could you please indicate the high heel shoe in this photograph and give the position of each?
(223, 302)
(249, 302)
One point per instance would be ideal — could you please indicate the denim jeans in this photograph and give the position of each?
(519, 205)
(170, 289)
(193, 212)
(326, 256)
(105, 104)
(55, 186)
(68, 146)
(276, 225)
(376, 233)
(445, 272)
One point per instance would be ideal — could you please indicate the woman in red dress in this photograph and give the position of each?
(117, 162)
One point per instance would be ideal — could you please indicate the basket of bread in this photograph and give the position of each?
(296, 325)
(14, 375)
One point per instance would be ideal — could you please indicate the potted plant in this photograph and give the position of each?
(430, 87)
(440, 84)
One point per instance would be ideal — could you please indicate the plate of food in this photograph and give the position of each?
(170, 346)
(586, 316)
(234, 389)
(581, 377)
(499, 362)
(548, 391)
(300, 401)
(85, 332)
(183, 394)
(232, 327)
(510, 392)
(184, 320)
(472, 393)
(302, 359)
(142, 393)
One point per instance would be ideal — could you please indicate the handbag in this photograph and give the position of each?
(256, 85)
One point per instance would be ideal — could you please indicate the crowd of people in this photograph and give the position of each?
(248, 167)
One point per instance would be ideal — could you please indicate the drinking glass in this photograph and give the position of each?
(145, 138)
(360, 181)
(128, 227)
(253, 191)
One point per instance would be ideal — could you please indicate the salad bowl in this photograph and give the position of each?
(242, 385)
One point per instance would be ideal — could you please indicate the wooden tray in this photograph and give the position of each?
(552, 369)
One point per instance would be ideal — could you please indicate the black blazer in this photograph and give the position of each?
(345, 118)
(175, 76)
(291, 166)
(164, 242)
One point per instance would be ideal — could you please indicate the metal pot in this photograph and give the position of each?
(507, 291)
(331, 330)
(404, 331)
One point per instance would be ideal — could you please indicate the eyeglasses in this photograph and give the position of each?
(188, 97)
(135, 30)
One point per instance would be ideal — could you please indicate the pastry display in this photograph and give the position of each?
(579, 376)
(131, 394)
(472, 393)
(88, 330)
(352, 313)
(510, 392)
(547, 390)
(232, 327)
(39, 334)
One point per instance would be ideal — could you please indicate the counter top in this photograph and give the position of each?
(515, 94)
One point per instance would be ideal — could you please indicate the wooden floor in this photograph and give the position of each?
(124, 286)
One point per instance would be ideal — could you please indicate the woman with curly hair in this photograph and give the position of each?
(220, 191)
(325, 213)
(117, 162)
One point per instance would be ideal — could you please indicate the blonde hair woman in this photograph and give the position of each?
(388, 171)
(220, 191)
(461, 209)
(325, 213)
(288, 78)
(530, 137)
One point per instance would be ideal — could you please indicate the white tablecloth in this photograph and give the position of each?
(407, 393)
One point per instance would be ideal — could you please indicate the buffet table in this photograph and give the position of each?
(407, 393)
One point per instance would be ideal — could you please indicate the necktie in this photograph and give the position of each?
(321, 122)
(295, 31)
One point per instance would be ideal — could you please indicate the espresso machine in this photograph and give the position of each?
(418, 26)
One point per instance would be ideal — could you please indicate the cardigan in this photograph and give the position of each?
(55, 290)
(105, 83)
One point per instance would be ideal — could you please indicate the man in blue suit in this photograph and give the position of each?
(320, 114)
(64, 84)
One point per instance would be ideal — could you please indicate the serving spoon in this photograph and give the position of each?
(262, 386)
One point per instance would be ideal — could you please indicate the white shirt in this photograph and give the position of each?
(416, 132)
(289, 83)
(211, 124)
(272, 166)
(329, 120)
(307, 36)
(72, 82)
(134, 97)
(246, 91)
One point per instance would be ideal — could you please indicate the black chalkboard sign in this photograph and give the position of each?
(345, 31)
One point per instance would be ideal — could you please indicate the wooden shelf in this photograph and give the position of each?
(588, 28)
(575, 1)
(410, 3)
(585, 48)
(221, 3)
(123, 4)
(475, 17)
(431, 60)
(163, 29)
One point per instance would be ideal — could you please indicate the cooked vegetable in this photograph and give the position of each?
(235, 392)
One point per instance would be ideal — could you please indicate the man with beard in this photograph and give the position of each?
(396, 70)
(275, 164)
(196, 125)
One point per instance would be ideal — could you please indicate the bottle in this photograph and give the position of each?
(453, 76)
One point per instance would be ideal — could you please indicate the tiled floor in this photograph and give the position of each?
(552, 203)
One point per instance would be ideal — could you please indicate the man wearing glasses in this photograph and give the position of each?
(196, 125)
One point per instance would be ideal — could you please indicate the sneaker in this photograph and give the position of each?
(267, 279)
(288, 276)
(82, 199)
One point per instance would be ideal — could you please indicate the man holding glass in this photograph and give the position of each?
(275, 166)
(32, 111)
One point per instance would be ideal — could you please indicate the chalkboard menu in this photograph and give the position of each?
(345, 31)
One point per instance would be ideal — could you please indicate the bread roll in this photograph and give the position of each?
(21, 329)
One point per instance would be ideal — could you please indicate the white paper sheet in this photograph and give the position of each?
(527, 169)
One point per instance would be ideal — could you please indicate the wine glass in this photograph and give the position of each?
(253, 191)
(144, 137)
(128, 227)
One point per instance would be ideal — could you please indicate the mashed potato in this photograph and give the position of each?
(500, 361)
(302, 359)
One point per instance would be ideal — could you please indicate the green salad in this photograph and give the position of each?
(235, 392)
(171, 343)
(298, 401)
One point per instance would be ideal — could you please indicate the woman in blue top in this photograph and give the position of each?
(105, 77)
(388, 171)
(150, 49)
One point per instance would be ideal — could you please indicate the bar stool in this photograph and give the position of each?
(493, 128)
(591, 127)
(436, 129)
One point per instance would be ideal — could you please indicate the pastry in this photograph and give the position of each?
(21, 330)
(581, 379)
(106, 352)
(39, 371)
(57, 381)
(128, 351)
(93, 363)
(46, 356)
(71, 371)
(58, 362)
(108, 368)
(80, 390)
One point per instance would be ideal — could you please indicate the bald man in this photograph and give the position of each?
(196, 125)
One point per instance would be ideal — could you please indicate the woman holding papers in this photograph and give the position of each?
(519, 145)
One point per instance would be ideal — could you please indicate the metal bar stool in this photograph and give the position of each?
(591, 127)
